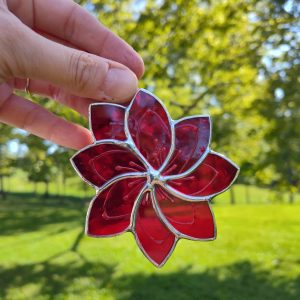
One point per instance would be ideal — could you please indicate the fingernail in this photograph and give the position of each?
(120, 84)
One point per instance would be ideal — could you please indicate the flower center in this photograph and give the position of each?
(154, 177)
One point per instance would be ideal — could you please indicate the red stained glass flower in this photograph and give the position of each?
(154, 176)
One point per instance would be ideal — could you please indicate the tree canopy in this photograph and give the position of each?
(235, 60)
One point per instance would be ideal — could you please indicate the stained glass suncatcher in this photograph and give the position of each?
(153, 176)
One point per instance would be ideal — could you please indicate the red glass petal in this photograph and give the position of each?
(150, 128)
(111, 209)
(107, 121)
(212, 176)
(192, 137)
(152, 235)
(191, 219)
(99, 163)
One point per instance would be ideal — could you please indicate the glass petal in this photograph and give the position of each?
(193, 220)
(110, 210)
(214, 175)
(149, 126)
(107, 121)
(154, 238)
(192, 136)
(99, 163)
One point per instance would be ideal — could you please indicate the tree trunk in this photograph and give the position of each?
(247, 194)
(64, 184)
(85, 191)
(291, 198)
(57, 186)
(35, 188)
(2, 192)
(232, 196)
(46, 195)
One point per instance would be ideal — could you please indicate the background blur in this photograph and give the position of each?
(238, 61)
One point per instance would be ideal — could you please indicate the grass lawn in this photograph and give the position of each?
(74, 187)
(44, 255)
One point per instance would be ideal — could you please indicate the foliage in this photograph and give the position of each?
(212, 57)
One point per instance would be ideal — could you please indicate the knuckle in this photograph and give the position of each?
(11, 60)
(85, 70)
(6, 47)
(5, 96)
(30, 118)
(70, 23)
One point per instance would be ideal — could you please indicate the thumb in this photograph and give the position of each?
(78, 72)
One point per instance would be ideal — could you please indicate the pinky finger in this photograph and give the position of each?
(24, 114)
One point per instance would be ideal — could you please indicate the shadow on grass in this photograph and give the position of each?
(70, 274)
(239, 281)
(64, 273)
(37, 198)
(80, 277)
(54, 279)
(25, 213)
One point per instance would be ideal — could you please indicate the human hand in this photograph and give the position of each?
(69, 56)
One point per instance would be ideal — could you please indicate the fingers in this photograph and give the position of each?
(22, 113)
(78, 72)
(79, 104)
(69, 21)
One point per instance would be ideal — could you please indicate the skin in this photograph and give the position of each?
(68, 56)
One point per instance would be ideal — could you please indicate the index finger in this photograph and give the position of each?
(69, 21)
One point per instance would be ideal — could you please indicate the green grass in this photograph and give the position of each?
(74, 187)
(19, 183)
(43, 255)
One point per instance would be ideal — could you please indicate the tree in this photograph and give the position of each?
(236, 60)
(5, 159)
(36, 161)
(201, 57)
(60, 159)
(282, 103)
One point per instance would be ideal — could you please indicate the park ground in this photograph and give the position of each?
(44, 254)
